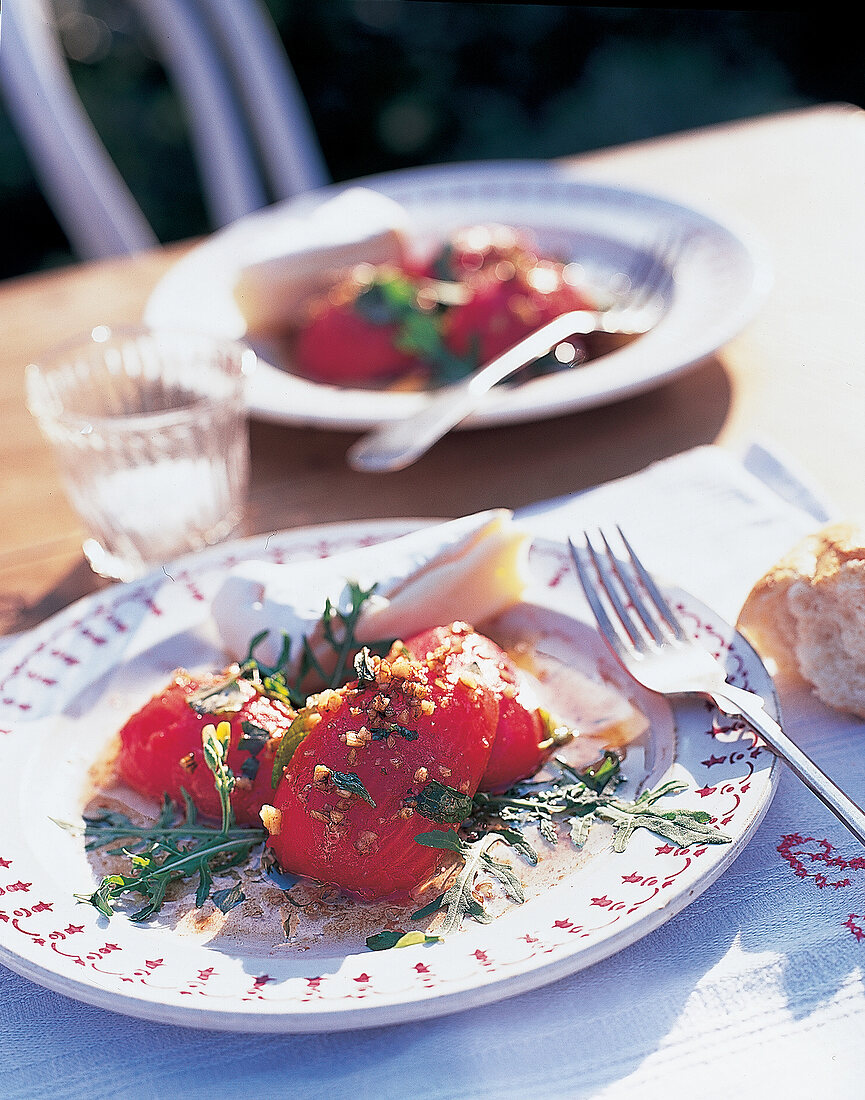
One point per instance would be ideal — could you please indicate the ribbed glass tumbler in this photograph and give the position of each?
(149, 429)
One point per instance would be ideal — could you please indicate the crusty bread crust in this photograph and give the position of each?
(807, 614)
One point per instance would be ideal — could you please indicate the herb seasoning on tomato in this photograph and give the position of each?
(397, 752)
(160, 746)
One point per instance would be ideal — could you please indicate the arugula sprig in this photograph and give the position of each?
(392, 299)
(338, 631)
(578, 800)
(459, 899)
(175, 846)
(582, 799)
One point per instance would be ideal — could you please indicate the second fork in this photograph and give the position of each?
(650, 641)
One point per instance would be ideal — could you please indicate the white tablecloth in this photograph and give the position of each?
(755, 989)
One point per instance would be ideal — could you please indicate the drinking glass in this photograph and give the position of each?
(149, 429)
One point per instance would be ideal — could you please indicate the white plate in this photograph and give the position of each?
(722, 281)
(65, 689)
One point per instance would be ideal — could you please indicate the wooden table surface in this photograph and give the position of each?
(794, 377)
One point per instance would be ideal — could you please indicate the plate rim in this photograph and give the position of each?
(271, 393)
(442, 1001)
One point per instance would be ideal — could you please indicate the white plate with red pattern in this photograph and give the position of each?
(720, 281)
(65, 689)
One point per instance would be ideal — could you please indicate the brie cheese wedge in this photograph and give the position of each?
(304, 256)
(469, 569)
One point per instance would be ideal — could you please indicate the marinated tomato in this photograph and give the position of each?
(161, 752)
(358, 333)
(341, 346)
(346, 784)
(437, 318)
(522, 742)
(502, 311)
(397, 753)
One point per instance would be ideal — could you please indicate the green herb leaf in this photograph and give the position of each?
(287, 746)
(387, 300)
(249, 768)
(603, 772)
(384, 941)
(225, 698)
(253, 738)
(348, 781)
(175, 846)
(444, 804)
(270, 680)
(381, 733)
(226, 900)
(459, 899)
(428, 910)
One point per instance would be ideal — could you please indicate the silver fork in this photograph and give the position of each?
(398, 444)
(636, 307)
(651, 642)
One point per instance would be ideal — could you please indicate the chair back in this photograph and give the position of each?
(249, 127)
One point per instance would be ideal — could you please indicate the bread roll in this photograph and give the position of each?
(808, 614)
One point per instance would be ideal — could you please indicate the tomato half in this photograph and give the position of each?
(500, 312)
(160, 746)
(397, 753)
(521, 743)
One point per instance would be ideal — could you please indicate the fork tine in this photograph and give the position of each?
(607, 570)
(606, 574)
(658, 598)
(656, 269)
(634, 595)
(598, 610)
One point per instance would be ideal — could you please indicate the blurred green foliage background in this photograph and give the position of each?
(398, 83)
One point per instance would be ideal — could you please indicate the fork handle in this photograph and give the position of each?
(745, 704)
(399, 443)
